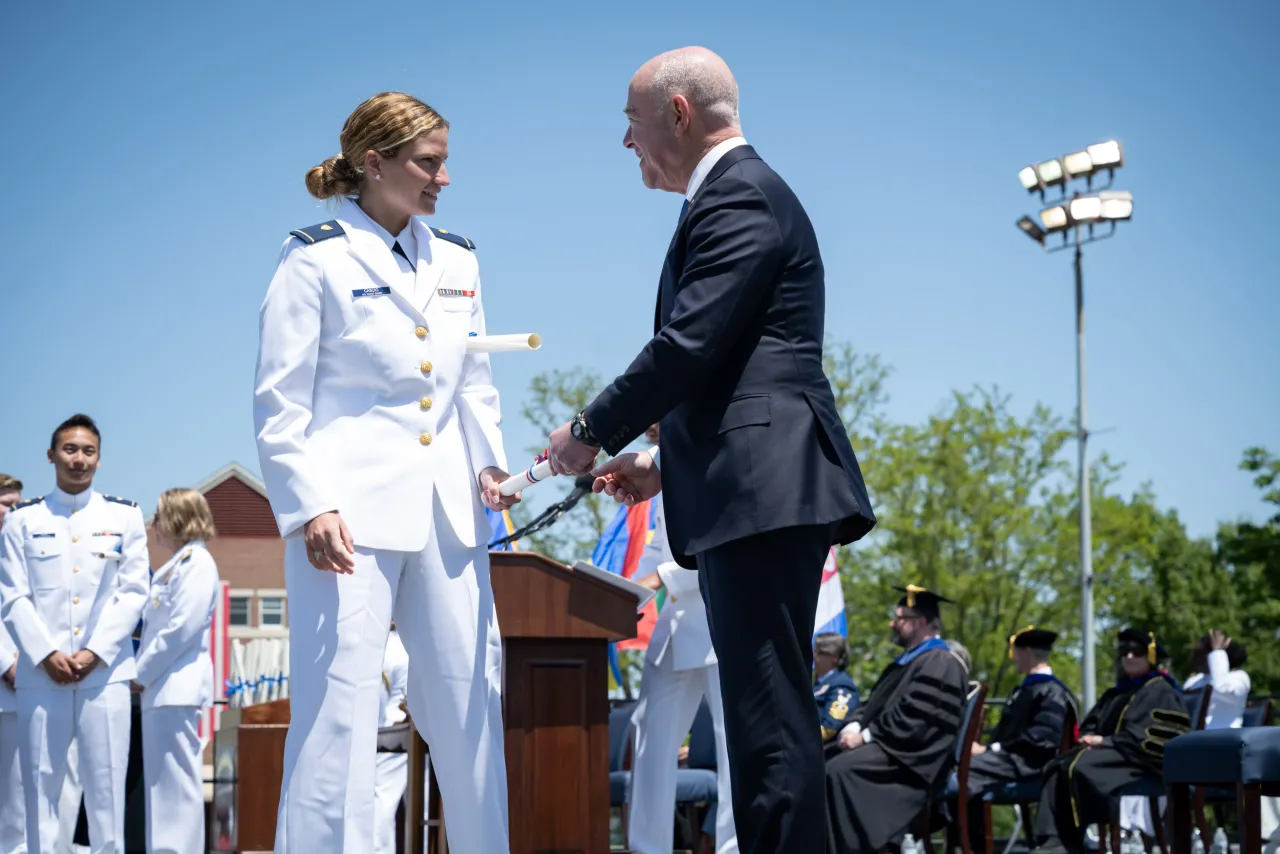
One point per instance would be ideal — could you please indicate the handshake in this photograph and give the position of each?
(628, 478)
(66, 669)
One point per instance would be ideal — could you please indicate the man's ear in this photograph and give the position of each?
(682, 116)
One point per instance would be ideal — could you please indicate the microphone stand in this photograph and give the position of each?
(548, 517)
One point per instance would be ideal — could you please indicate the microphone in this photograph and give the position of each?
(547, 518)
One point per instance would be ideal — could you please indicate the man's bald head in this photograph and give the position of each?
(702, 77)
(680, 105)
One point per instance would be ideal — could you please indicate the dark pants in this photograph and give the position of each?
(1078, 789)
(761, 594)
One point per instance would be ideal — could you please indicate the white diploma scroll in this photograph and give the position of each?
(503, 343)
(536, 473)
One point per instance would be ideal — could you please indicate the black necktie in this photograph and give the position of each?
(399, 250)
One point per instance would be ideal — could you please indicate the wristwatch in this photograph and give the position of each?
(579, 430)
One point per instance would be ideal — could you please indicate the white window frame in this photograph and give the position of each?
(263, 625)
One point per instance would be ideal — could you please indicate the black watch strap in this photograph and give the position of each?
(582, 432)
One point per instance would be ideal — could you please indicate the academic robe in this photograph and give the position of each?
(1136, 719)
(913, 720)
(1029, 734)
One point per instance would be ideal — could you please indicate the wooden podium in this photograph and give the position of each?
(248, 765)
(556, 627)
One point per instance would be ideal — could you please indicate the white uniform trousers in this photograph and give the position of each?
(13, 810)
(173, 771)
(99, 720)
(338, 625)
(392, 778)
(669, 701)
(69, 804)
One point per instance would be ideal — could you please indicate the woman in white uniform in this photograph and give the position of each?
(378, 436)
(175, 673)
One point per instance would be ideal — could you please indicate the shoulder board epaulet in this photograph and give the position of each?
(186, 556)
(116, 499)
(28, 502)
(316, 233)
(453, 238)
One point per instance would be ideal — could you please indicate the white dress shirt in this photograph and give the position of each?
(1230, 692)
(708, 162)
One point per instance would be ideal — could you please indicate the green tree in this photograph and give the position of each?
(969, 505)
(1181, 587)
(554, 397)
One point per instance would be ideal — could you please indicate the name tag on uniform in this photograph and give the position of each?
(38, 536)
(454, 292)
(370, 292)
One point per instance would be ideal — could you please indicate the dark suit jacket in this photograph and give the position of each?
(751, 440)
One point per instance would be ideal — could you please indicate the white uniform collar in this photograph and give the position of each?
(71, 502)
(708, 162)
(1041, 670)
(408, 242)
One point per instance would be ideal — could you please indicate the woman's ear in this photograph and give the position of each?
(372, 165)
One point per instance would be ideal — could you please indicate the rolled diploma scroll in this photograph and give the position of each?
(503, 343)
(536, 473)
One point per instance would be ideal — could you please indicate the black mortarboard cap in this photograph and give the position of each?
(923, 602)
(1032, 638)
(1140, 642)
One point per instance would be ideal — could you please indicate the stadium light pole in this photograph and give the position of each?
(1075, 220)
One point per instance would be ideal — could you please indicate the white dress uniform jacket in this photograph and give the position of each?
(366, 402)
(8, 657)
(73, 576)
(13, 827)
(681, 630)
(176, 673)
(174, 665)
(337, 347)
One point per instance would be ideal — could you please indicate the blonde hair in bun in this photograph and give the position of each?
(382, 124)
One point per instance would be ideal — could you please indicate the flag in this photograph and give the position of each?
(619, 551)
(830, 615)
(219, 652)
(500, 525)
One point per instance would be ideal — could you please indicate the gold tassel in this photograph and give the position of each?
(912, 590)
(1013, 637)
(1151, 649)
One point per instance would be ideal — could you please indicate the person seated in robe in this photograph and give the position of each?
(833, 689)
(1122, 739)
(1029, 733)
(900, 744)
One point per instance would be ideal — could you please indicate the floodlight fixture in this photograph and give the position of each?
(1030, 229)
(1100, 157)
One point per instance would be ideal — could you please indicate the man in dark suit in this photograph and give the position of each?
(757, 472)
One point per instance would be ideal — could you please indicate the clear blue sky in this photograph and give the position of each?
(154, 155)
